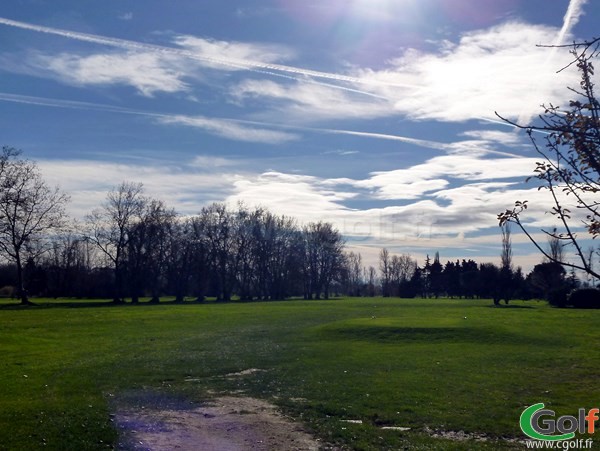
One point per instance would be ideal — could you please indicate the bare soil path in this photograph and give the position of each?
(227, 423)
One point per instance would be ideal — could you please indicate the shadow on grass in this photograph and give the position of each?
(392, 334)
(51, 304)
(82, 303)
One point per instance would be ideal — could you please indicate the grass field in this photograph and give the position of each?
(431, 365)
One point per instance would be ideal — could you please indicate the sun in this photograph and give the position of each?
(379, 9)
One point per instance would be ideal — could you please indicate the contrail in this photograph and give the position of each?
(230, 62)
(56, 103)
(419, 142)
(572, 16)
(570, 19)
(181, 119)
(174, 118)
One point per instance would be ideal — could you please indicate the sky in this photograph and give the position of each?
(375, 115)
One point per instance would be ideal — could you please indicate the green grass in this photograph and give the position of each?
(412, 363)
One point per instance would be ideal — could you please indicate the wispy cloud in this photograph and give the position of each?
(230, 129)
(237, 127)
(308, 102)
(237, 130)
(488, 70)
(420, 227)
(147, 72)
(193, 54)
(184, 187)
(436, 173)
(495, 69)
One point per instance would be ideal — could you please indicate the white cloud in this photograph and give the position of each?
(149, 69)
(126, 16)
(445, 198)
(462, 216)
(495, 69)
(147, 72)
(300, 196)
(495, 136)
(186, 188)
(309, 102)
(233, 51)
(205, 162)
(435, 174)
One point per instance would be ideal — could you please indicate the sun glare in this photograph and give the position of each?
(378, 9)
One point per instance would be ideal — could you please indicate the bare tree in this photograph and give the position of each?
(324, 257)
(570, 169)
(29, 211)
(556, 248)
(354, 271)
(505, 281)
(507, 254)
(385, 268)
(110, 227)
(219, 229)
(147, 248)
(371, 277)
(186, 258)
(69, 261)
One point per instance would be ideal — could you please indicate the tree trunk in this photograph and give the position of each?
(117, 292)
(21, 292)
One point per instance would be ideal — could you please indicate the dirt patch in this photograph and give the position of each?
(461, 436)
(247, 372)
(227, 423)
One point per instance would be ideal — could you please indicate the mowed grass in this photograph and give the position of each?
(430, 365)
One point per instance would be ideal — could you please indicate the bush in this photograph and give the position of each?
(7, 291)
(585, 298)
(558, 297)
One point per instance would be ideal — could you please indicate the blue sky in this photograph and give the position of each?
(376, 115)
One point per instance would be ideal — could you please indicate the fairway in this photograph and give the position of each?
(438, 367)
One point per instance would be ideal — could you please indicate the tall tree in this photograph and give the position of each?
(505, 277)
(219, 229)
(371, 278)
(436, 280)
(570, 169)
(385, 269)
(507, 255)
(110, 228)
(402, 268)
(556, 249)
(147, 249)
(354, 273)
(29, 211)
(186, 259)
(323, 257)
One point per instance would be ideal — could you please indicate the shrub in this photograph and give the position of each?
(585, 298)
(7, 291)
(558, 297)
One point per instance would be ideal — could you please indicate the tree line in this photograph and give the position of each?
(401, 276)
(134, 246)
